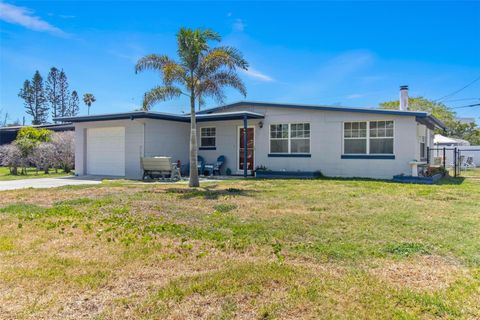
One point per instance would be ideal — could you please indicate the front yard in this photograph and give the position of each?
(265, 249)
(32, 173)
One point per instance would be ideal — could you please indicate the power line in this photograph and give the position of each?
(468, 106)
(463, 99)
(457, 91)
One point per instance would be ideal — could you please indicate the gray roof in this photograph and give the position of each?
(164, 116)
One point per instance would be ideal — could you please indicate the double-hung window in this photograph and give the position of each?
(208, 137)
(293, 138)
(368, 137)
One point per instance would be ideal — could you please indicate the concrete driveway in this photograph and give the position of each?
(48, 182)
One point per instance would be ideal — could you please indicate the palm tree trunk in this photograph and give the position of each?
(194, 182)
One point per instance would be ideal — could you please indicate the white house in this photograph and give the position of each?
(337, 141)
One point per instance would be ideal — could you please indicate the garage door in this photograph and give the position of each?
(106, 151)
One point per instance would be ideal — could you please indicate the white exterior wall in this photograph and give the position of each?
(151, 137)
(167, 138)
(326, 143)
(134, 130)
(143, 137)
(227, 142)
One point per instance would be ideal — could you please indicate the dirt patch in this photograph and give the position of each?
(421, 273)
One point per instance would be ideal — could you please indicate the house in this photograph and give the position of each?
(440, 141)
(337, 141)
(9, 134)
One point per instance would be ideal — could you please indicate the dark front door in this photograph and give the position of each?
(250, 149)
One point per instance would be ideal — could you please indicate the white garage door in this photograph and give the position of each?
(106, 151)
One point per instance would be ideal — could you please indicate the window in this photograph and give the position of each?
(279, 138)
(378, 139)
(422, 147)
(381, 137)
(290, 138)
(355, 137)
(207, 137)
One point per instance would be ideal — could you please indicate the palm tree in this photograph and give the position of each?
(200, 72)
(88, 99)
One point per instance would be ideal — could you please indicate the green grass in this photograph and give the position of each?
(265, 249)
(31, 174)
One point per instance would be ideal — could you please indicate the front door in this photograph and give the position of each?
(250, 148)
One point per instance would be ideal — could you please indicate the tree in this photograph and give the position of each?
(88, 99)
(11, 157)
(465, 131)
(64, 94)
(33, 95)
(53, 91)
(26, 93)
(437, 109)
(64, 150)
(74, 104)
(456, 129)
(200, 72)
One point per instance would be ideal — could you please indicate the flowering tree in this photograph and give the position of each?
(11, 157)
(43, 156)
(64, 150)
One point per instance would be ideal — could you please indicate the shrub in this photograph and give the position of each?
(11, 157)
(43, 156)
(64, 146)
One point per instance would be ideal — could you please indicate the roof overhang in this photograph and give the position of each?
(431, 122)
(164, 116)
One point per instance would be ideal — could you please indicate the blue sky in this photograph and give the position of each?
(337, 53)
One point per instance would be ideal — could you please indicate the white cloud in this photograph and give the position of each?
(253, 73)
(24, 17)
(239, 25)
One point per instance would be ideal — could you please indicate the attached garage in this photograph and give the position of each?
(105, 151)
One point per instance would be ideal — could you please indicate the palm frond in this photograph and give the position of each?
(228, 79)
(152, 62)
(159, 94)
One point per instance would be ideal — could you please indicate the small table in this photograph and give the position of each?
(414, 165)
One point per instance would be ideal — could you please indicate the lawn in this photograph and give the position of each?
(31, 174)
(247, 249)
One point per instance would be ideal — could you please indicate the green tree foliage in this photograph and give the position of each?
(73, 104)
(201, 71)
(437, 109)
(28, 138)
(64, 94)
(33, 95)
(53, 91)
(456, 129)
(34, 134)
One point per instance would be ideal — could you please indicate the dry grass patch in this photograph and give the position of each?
(421, 273)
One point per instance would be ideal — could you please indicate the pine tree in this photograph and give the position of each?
(74, 104)
(27, 96)
(52, 91)
(64, 94)
(39, 100)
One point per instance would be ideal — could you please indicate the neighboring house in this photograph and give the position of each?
(441, 141)
(9, 134)
(337, 141)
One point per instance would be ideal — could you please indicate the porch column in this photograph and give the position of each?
(245, 149)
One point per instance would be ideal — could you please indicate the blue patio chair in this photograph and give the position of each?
(200, 165)
(215, 167)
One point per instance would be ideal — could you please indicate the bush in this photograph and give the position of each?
(58, 152)
(11, 157)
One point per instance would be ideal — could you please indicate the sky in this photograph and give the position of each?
(353, 54)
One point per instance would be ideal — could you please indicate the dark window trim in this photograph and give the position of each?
(207, 148)
(369, 156)
(289, 155)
